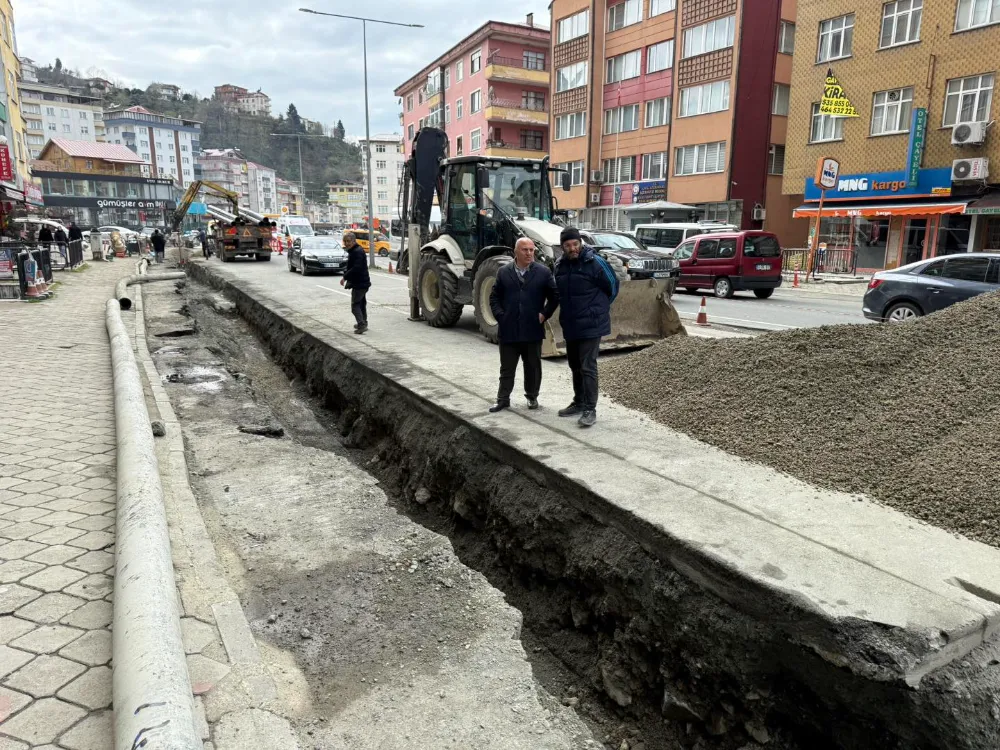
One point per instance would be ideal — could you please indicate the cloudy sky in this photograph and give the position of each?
(294, 57)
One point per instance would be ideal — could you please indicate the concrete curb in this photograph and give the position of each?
(150, 683)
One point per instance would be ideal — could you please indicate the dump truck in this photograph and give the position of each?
(487, 203)
(231, 233)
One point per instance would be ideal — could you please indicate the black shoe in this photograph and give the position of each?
(361, 329)
(588, 418)
(499, 406)
(532, 403)
(571, 411)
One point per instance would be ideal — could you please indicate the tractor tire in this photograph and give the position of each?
(482, 285)
(617, 266)
(437, 289)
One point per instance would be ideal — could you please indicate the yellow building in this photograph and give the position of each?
(13, 124)
(914, 177)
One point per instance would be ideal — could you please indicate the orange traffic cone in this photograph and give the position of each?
(390, 267)
(795, 279)
(702, 318)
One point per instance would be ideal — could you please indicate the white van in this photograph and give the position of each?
(665, 237)
(296, 226)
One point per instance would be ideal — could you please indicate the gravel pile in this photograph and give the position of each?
(908, 414)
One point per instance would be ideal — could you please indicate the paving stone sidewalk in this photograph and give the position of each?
(57, 516)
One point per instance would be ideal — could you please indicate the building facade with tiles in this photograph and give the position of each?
(684, 101)
(915, 71)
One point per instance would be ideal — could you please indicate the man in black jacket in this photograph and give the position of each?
(75, 233)
(524, 296)
(159, 243)
(356, 279)
(45, 236)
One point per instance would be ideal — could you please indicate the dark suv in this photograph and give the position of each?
(906, 293)
(640, 261)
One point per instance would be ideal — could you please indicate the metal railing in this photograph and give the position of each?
(523, 146)
(832, 260)
(517, 62)
(529, 106)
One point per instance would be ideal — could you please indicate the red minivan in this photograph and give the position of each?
(729, 262)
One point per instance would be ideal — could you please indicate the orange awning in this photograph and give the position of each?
(875, 210)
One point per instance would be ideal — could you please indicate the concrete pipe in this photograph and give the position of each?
(121, 288)
(150, 683)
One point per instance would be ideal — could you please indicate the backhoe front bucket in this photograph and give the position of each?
(641, 315)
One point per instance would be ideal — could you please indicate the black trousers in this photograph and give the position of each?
(530, 354)
(359, 305)
(582, 356)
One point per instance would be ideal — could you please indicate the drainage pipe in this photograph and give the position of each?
(121, 291)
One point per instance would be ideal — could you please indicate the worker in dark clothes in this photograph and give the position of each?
(159, 243)
(45, 236)
(356, 279)
(587, 286)
(75, 233)
(524, 296)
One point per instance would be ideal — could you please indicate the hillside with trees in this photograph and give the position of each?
(326, 155)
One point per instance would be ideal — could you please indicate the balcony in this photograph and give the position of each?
(502, 149)
(432, 96)
(519, 112)
(517, 70)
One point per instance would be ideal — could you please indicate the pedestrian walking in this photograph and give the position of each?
(159, 243)
(75, 233)
(356, 279)
(587, 286)
(524, 296)
(203, 239)
(45, 237)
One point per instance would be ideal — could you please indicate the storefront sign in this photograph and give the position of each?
(647, 192)
(6, 264)
(885, 185)
(33, 194)
(102, 203)
(6, 169)
(126, 203)
(827, 173)
(915, 153)
(835, 101)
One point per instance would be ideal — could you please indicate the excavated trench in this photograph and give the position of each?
(683, 665)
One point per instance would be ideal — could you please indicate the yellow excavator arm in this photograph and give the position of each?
(192, 192)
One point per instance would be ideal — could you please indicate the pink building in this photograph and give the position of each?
(490, 93)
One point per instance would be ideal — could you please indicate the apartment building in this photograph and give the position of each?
(59, 112)
(256, 185)
(387, 157)
(347, 201)
(29, 71)
(239, 99)
(661, 112)
(290, 197)
(12, 125)
(915, 162)
(168, 145)
(489, 93)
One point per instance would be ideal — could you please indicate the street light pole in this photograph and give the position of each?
(368, 135)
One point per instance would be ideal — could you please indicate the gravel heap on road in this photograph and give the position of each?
(908, 414)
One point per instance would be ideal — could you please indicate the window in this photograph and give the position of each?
(575, 171)
(409, 131)
(420, 96)
(382, 180)
(34, 125)
(447, 113)
(532, 140)
(36, 140)
(458, 109)
(533, 100)
(966, 269)
(533, 60)
(624, 66)
(776, 159)
(173, 160)
(708, 249)
(186, 160)
(475, 101)
(447, 77)
(968, 99)
(891, 111)
(571, 126)
(460, 70)
(383, 195)
(779, 103)
(709, 36)
(836, 37)
(52, 126)
(621, 169)
(84, 129)
(624, 14)
(475, 63)
(32, 109)
(660, 56)
(458, 146)
(701, 159)
(83, 115)
(64, 113)
(379, 148)
(901, 22)
(972, 13)
(572, 76)
(159, 145)
(657, 112)
(50, 111)
(475, 138)
(654, 166)
(381, 164)
(786, 38)
(684, 250)
(825, 127)
(573, 26)
(656, 7)
(145, 156)
(409, 102)
(621, 119)
(67, 129)
(700, 100)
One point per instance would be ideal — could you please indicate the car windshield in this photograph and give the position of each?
(515, 188)
(320, 243)
(297, 230)
(619, 241)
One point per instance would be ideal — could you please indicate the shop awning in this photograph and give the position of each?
(878, 210)
(989, 204)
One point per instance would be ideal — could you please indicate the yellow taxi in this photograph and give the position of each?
(382, 246)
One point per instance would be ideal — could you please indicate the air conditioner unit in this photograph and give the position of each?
(970, 169)
(968, 134)
(597, 175)
(759, 213)
(595, 199)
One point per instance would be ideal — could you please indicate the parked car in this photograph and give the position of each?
(729, 262)
(317, 255)
(920, 288)
(640, 262)
(382, 244)
(125, 232)
(37, 223)
(667, 236)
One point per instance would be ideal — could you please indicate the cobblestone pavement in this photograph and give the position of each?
(57, 516)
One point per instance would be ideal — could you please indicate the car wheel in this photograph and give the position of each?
(902, 312)
(723, 288)
(763, 293)
(291, 268)
(303, 270)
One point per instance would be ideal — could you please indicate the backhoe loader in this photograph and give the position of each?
(486, 204)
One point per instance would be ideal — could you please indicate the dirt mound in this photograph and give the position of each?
(909, 414)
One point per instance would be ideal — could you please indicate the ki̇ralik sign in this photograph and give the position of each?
(930, 183)
(835, 101)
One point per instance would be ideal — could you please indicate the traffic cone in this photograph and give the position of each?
(702, 319)
(795, 279)
(390, 267)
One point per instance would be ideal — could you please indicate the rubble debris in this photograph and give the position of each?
(268, 429)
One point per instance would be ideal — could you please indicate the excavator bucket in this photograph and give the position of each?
(641, 315)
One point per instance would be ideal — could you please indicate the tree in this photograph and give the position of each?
(294, 121)
(58, 65)
(339, 132)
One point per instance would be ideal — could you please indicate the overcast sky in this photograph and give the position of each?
(294, 57)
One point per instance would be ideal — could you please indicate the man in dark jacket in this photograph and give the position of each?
(586, 286)
(75, 233)
(356, 279)
(159, 243)
(524, 296)
(45, 236)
